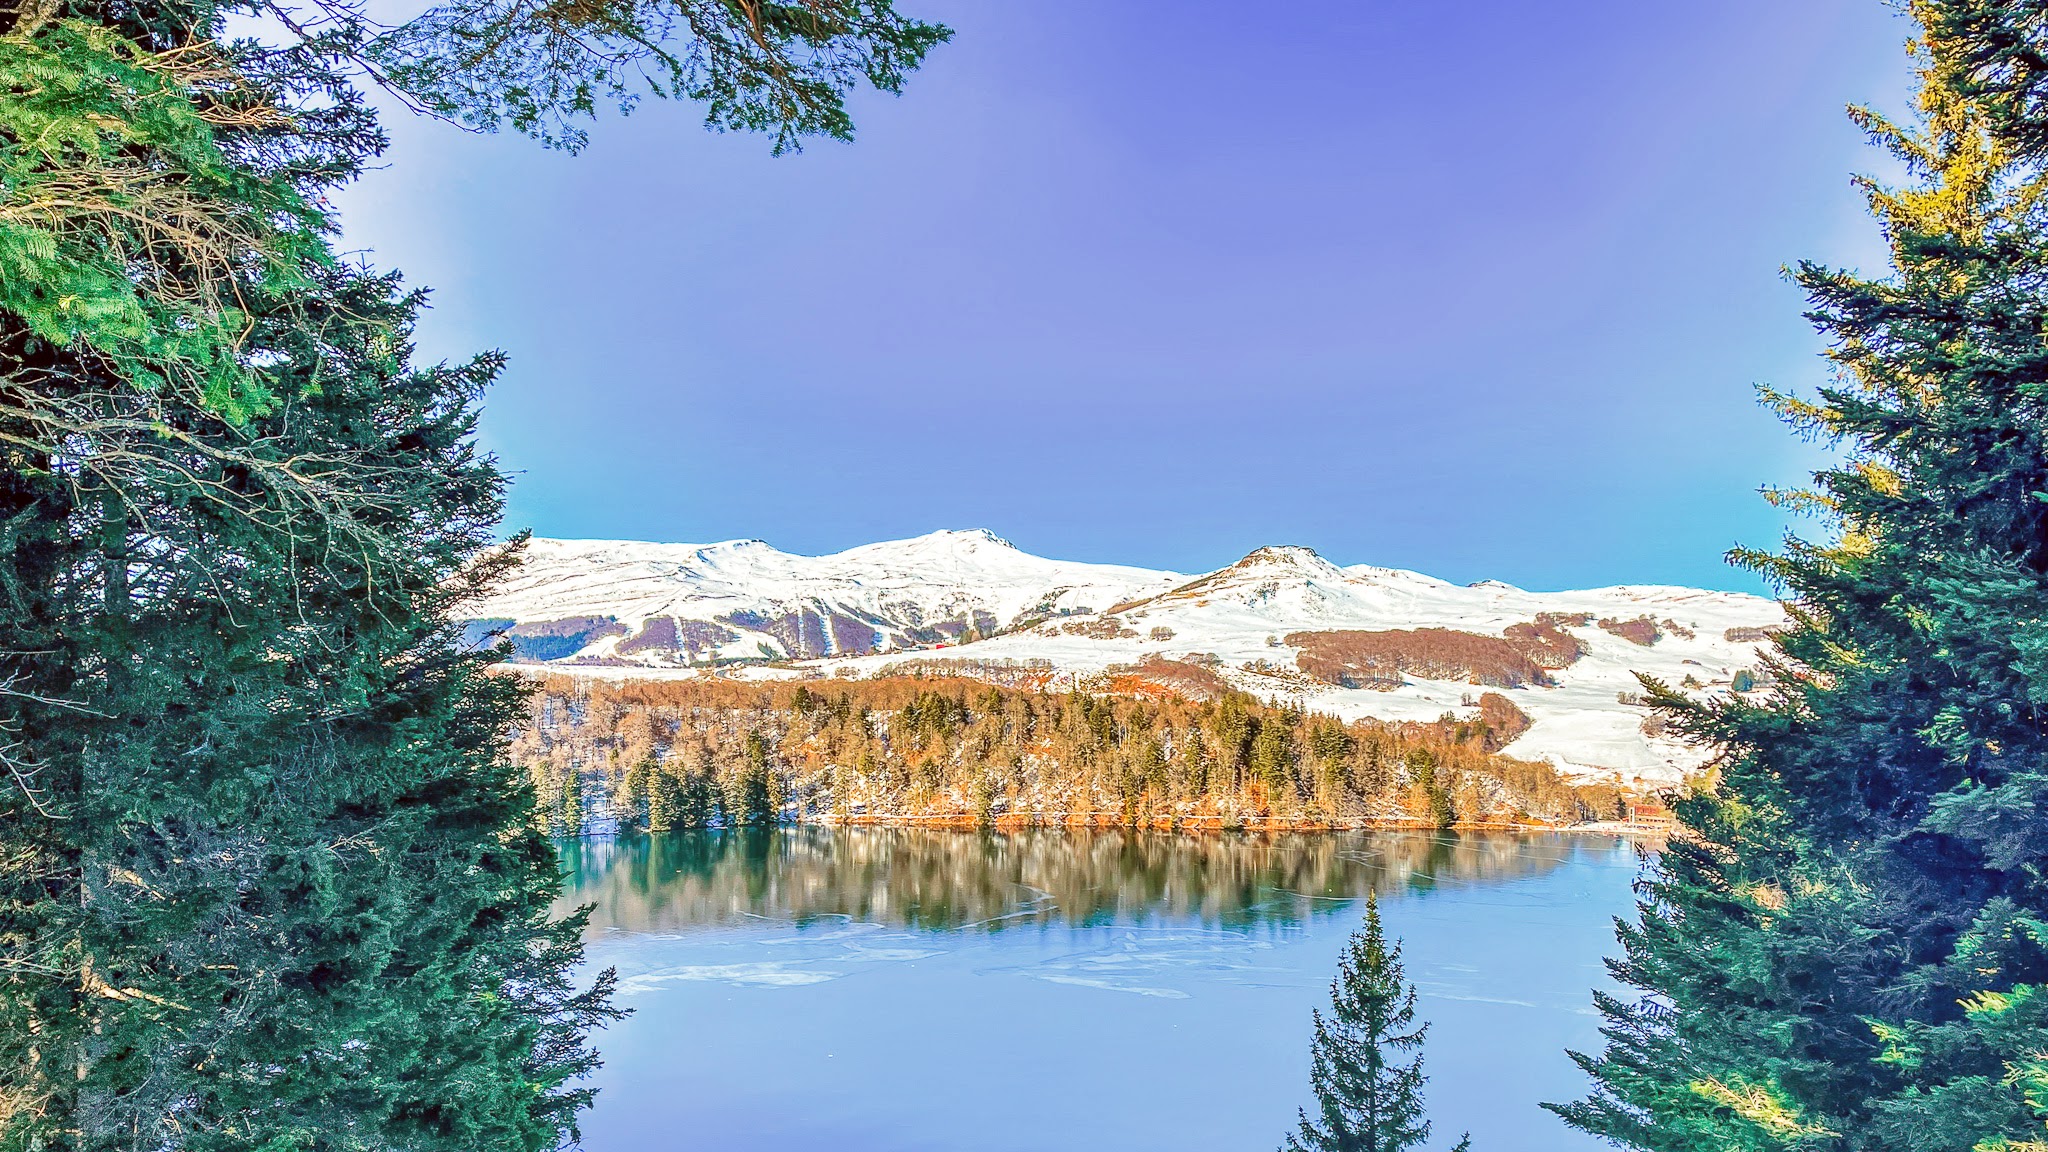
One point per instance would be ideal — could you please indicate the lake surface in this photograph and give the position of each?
(871, 989)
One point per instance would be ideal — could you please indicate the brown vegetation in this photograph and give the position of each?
(1157, 674)
(663, 754)
(1502, 719)
(1546, 642)
(1748, 635)
(1032, 673)
(1099, 628)
(1353, 659)
(1641, 630)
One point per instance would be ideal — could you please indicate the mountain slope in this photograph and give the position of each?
(678, 605)
(1280, 623)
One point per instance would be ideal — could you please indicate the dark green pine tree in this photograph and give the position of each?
(753, 792)
(266, 878)
(1367, 1070)
(281, 888)
(1846, 948)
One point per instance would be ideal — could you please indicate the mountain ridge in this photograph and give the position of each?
(1282, 622)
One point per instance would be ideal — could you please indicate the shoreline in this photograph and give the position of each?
(1635, 830)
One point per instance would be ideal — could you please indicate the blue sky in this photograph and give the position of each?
(1476, 289)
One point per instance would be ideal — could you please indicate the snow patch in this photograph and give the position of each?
(972, 599)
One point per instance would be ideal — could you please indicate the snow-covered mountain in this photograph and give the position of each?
(1282, 622)
(682, 605)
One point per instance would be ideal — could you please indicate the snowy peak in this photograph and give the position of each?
(1279, 563)
(1291, 556)
(968, 538)
(944, 543)
(609, 603)
(1262, 573)
(1282, 560)
(1358, 641)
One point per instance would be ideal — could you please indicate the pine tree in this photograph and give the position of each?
(1432, 797)
(752, 801)
(300, 898)
(665, 794)
(267, 879)
(1272, 762)
(1368, 1098)
(1846, 949)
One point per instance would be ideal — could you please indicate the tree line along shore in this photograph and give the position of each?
(663, 755)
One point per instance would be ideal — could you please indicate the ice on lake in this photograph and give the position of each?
(870, 989)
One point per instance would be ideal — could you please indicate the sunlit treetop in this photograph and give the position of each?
(124, 230)
(133, 231)
(783, 70)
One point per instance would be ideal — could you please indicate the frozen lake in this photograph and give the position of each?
(871, 989)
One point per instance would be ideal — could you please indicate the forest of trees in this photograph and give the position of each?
(267, 879)
(271, 877)
(1845, 949)
(692, 753)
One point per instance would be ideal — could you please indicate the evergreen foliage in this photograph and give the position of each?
(781, 68)
(126, 220)
(691, 754)
(1847, 947)
(753, 800)
(1432, 798)
(284, 890)
(154, 169)
(267, 877)
(1367, 1055)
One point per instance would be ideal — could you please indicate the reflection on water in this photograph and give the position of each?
(944, 880)
(921, 990)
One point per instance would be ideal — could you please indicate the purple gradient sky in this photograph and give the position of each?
(1478, 289)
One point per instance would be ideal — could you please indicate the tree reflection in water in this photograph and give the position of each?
(940, 880)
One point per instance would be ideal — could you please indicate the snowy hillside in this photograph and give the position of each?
(1282, 622)
(680, 605)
